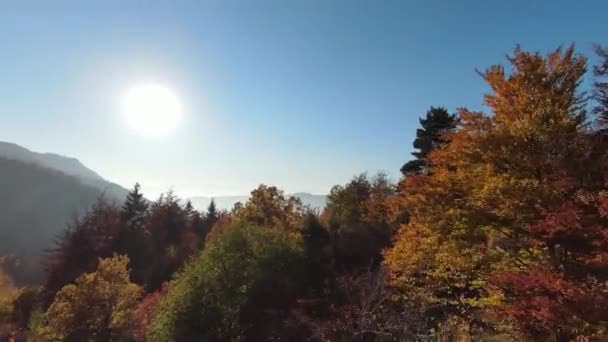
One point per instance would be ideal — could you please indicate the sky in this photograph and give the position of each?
(301, 94)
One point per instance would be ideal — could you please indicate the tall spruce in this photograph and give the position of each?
(133, 211)
(600, 71)
(210, 218)
(131, 240)
(212, 214)
(436, 122)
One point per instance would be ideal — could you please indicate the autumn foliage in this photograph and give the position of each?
(497, 230)
(98, 306)
(509, 223)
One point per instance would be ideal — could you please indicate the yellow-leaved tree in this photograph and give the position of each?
(474, 218)
(98, 306)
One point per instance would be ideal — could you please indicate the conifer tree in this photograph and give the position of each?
(132, 238)
(600, 71)
(212, 213)
(437, 122)
(133, 211)
(209, 219)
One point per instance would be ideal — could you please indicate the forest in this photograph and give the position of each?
(496, 231)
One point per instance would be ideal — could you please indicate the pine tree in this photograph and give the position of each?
(212, 214)
(134, 209)
(437, 122)
(131, 240)
(601, 88)
(209, 219)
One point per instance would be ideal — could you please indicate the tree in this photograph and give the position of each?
(268, 206)
(98, 306)
(145, 313)
(368, 311)
(168, 240)
(78, 250)
(133, 211)
(601, 87)
(212, 214)
(432, 135)
(211, 217)
(360, 217)
(315, 238)
(502, 204)
(132, 237)
(190, 239)
(229, 288)
(8, 296)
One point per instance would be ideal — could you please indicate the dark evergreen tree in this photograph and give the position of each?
(133, 211)
(132, 238)
(212, 213)
(436, 122)
(600, 71)
(190, 238)
(188, 208)
(211, 217)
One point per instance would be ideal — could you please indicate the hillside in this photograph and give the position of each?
(41, 193)
(35, 206)
(67, 165)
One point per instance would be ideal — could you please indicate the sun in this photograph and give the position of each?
(152, 109)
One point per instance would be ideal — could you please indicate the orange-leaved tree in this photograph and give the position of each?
(497, 226)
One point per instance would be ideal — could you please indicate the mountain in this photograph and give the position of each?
(227, 202)
(66, 165)
(35, 206)
(41, 192)
(70, 166)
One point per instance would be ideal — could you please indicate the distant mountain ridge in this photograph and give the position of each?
(315, 201)
(67, 165)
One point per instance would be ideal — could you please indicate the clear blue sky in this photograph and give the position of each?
(300, 94)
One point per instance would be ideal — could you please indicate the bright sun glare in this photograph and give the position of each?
(152, 110)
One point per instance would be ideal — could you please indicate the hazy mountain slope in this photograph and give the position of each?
(227, 202)
(35, 205)
(41, 193)
(70, 166)
(67, 165)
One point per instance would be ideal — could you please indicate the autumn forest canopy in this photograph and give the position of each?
(496, 231)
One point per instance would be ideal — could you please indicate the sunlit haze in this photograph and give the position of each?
(152, 110)
(299, 94)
